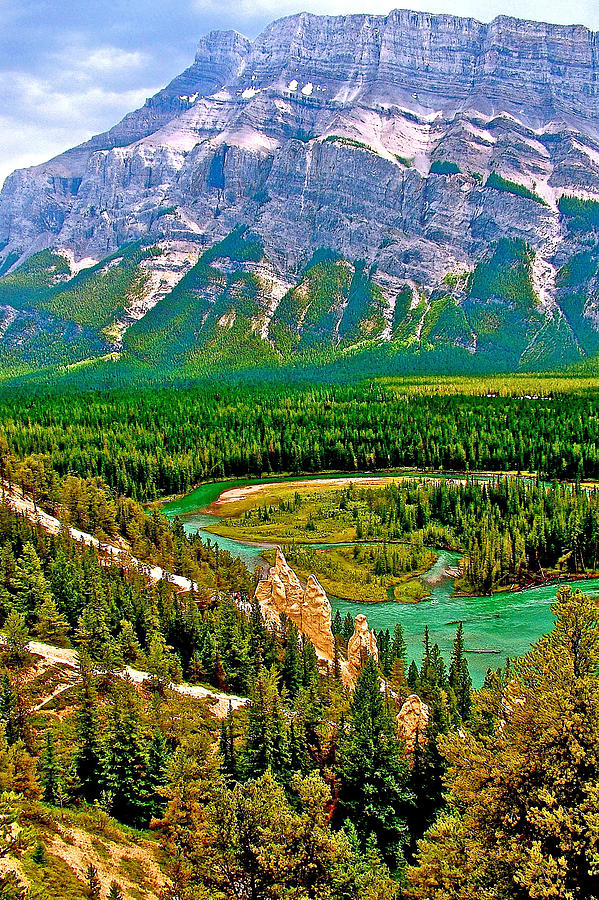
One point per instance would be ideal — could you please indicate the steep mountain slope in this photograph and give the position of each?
(407, 184)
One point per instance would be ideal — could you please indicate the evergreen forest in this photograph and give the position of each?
(167, 744)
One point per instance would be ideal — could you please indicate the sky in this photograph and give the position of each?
(72, 68)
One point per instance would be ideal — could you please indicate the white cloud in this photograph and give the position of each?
(82, 91)
(76, 63)
(49, 120)
(105, 59)
(41, 102)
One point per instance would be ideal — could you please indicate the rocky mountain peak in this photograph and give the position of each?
(412, 182)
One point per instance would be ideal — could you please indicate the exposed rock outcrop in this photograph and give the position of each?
(374, 136)
(510, 702)
(315, 617)
(361, 646)
(412, 721)
(281, 592)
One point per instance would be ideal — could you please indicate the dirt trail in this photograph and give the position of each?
(220, 701)
(52, 525)
(61, 656)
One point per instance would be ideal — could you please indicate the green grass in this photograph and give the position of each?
(580, 215)
(349, 573)
(574, 382)
(65, 834)
(296, 512)
(498, 183)
(53, 879)
(348, 142)
(444, 167)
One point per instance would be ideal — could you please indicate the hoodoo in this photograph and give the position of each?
(362, 644)
(281, 593)
(412, 722)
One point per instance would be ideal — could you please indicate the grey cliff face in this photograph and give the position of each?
(372, 136)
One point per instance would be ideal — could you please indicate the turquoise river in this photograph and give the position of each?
(495, 628)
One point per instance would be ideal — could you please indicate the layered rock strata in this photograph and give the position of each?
(411, 143)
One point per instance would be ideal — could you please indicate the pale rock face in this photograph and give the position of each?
(361, 646)
(282, 593)
(272, 597)
(412, 722)
(322, 133)
(316, 617)
(252, 116)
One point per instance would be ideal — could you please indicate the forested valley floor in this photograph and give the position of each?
(112, 788)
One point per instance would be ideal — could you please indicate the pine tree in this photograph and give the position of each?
(459, 676)
(233, 644)
(413, 678)
(50, 772)
(194, 781)
(398, 649)
(337, 624)
(427, 771)
(299, 760)
(129, 644)
(374, 772)
(93, 633)
(125, 762)
(9, 713)
(215, 850)
(65, 584)
(115, 892)
(31, 587)
(161, 663)
(292, 670)
(522, 814)
(92, 883)
(51, 625)
(258, 638)
(336, 659)
(158, 758)
(309, 662)
(17, 638)
(18, 771)
(39, 855)
(266, 736)
(227, 748)
(8, 568)
(219, 677)
(397, 678)
(433, 676)
(88, 764)
(348, 627)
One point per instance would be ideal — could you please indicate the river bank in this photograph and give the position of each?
(496, 627)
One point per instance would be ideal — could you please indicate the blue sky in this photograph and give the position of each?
(71, 68)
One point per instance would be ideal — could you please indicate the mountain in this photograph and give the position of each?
(416, 189)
